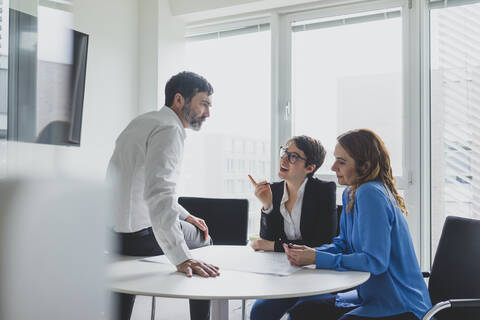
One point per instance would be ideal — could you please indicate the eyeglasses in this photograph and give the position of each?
(291, 156)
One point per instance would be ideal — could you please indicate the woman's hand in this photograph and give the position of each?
(261, 244)
(263, 192)
(299, 255)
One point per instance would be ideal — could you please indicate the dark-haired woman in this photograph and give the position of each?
(300, 209)
(373, 237)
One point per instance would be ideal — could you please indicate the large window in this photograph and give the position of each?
(347, 74)
(455, 113)
(317, 72)
(235, 140)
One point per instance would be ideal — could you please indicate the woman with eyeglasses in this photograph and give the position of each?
(300, 209)
(374, 237)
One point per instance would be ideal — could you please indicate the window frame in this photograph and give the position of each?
(425, 135)
(411, 180)
(286, 131)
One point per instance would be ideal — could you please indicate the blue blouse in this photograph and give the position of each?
(375, 238)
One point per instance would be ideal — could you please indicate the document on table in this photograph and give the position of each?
(240, 258)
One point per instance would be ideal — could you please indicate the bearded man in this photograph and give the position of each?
(144, 169)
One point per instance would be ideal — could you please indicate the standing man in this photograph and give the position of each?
(145, 167)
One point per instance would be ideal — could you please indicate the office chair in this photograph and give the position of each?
(339, 213)
(454, 278)
(227, 219)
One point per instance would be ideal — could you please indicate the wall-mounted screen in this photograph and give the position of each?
(46, 90)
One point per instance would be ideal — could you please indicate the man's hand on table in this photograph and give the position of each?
(192, 266)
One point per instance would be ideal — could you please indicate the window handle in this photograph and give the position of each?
(287, 111)
(410, 177)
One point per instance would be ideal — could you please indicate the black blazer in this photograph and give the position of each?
(318, 221)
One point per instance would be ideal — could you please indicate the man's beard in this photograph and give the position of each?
(194, 121)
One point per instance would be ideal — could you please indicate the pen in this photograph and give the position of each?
(251, 179)
(254, 182)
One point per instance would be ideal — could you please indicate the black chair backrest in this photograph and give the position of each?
(456, 268)
(227, 219)
(339, 213)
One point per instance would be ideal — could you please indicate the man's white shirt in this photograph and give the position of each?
(145, 168)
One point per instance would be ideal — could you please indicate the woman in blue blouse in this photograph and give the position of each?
(373, 237)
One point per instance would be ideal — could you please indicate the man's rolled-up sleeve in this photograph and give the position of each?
(163, 158)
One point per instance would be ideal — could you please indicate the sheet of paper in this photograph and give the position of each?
(240, 258)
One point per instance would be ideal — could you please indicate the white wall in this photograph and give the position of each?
(148, 53)
(171, 47)
(162, 50)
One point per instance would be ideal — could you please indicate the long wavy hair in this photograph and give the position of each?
(364, 145)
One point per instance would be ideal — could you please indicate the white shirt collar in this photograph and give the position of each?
(300, 191)
(169, 111)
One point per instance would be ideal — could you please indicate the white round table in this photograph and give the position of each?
(158, 279)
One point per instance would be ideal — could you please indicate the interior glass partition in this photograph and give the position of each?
(4, 21)
(3, 67)
(455, 112)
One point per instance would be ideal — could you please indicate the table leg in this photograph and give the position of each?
(244, 311)
(219, 310)
(153, 309)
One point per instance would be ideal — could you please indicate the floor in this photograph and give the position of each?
(178, 309)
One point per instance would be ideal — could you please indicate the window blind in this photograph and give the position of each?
(229, 33)
(345, 21)
(435, 4)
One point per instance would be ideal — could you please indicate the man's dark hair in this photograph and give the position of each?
(313, 149)
(188, 84)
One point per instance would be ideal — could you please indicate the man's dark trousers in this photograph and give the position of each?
(143, 243)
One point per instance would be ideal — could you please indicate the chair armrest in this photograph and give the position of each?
(453, 303)
(464, 303)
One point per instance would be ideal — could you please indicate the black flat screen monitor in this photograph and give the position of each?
(46, 91)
